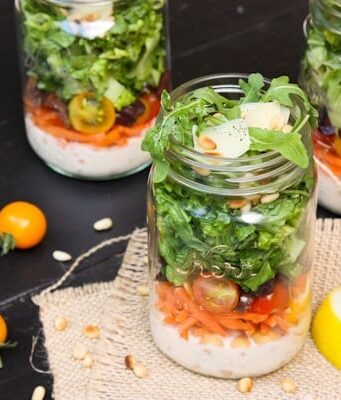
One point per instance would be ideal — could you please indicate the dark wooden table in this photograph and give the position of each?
(207, 36)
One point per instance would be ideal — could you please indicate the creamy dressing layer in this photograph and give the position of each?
(227, 362)
(86, 161)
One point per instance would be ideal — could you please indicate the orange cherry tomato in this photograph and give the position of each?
(89, 115)
(3, 330)
(25, 221)
(337, 145)
(215, 294)
(278, 300)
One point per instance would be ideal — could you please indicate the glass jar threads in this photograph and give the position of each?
(93, 72)
(320, 77)
(231, 214)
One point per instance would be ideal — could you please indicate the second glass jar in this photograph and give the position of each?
(230, 255)
(93, 72)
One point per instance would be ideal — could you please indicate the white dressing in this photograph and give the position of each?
(269, 115)
(230, 139)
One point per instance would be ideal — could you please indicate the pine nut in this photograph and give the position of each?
(38, 393)
(287, 128)
(288, 385)
(142, 290)
(130, 361)
(260, 338)
(247, 207)
(240, 342)
(103, 224)
(235, 204)
(212, 339)
(80, 351)
(245, 385)
(60, 323)
(140, 370)
(206, 142)
(277, 122)
(213, 153)
(88, 361)
(269, 198)
(201, 171)
(61, 256)
(91, 331)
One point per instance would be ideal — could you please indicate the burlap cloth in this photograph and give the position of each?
(122, 315)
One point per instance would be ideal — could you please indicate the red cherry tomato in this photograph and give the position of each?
(215, 294)
(278, 300)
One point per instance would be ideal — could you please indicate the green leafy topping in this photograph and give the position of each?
(204, 108)
(7, 243)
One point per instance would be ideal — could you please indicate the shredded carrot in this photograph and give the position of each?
(182, 311)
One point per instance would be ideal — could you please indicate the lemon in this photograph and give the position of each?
(326, 328)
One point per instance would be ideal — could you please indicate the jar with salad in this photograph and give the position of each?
(320, 77)
(231, 213)
(93, 71)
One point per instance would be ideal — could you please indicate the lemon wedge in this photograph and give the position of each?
(326, 327)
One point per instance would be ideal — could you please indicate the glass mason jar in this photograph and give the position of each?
(320, 77)
(230, 254)
(93, 71)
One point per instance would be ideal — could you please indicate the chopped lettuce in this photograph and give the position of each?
(131, 53)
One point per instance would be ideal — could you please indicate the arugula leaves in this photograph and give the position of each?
(252, 88)
(289, 145)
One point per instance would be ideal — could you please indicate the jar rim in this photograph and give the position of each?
(68, 3)
(268, 164)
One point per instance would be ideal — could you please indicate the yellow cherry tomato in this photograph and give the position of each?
(25, 222)
(90, 115)
(337, 145)
(3, 330)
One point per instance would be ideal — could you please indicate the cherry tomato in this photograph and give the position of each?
(278, 300)
(91, 116)
(151, 103)
(337, 145)
(25, 221)
(3, 330)
(215, 295)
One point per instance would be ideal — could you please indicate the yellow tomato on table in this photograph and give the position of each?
(25, 222)
(3, 330)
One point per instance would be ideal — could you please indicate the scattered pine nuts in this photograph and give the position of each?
(142, 290)
(88, 361)
(60, 323)
(288, 385)
(235, 204)
(91, 331)
(80, 351)
(130, 361)
(61, 256)
(206, 142)
(38, 393)
(269, 198)
(245, 385)
(103, 224)
(140, 370)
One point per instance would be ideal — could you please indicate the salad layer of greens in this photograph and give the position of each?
(255, 241)
(321, 72)
(118, 64)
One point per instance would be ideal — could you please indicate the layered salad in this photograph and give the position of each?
(321, 79)
(231, 274)
(93, 76)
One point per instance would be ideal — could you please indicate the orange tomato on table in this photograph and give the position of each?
(3, 330)
(25, 222)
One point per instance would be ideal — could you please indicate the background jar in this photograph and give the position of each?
(93, 71)
(230, 250)
(320, 76)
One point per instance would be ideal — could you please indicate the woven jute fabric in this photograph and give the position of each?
(122, 315)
